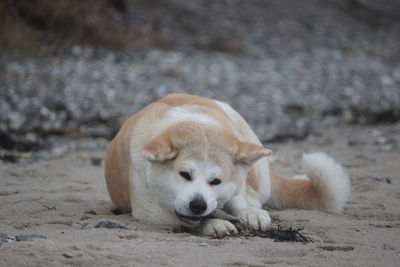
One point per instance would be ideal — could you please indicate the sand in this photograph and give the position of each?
(63, 195)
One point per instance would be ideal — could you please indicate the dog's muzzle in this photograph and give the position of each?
(197, 207)
(188, 220)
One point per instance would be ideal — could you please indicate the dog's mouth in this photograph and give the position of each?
(189, 220)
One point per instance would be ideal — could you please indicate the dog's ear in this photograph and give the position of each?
(248, 153)
(160, 149)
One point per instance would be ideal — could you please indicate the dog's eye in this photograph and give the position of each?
(185, 175)
(216, 181)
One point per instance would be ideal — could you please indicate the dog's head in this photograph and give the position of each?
(195, 168)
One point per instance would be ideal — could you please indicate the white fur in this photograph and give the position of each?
(174, 193)
(182, 114)
(217, 227)
(300, 177)
(202, 173)
(330, 178)
(261, 167)
(257, 218)
(156, 200)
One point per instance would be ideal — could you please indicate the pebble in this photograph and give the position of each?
(382, 179)
(91, 212)
(117, 211)
(8, 192)
(9, 239)
(204, 244)
(83, 224)
(68, 255)
(353, 142)
(363, 157)
(95, 161)
(85, 217)
(29, 237)
(109, 224)
(66, 215)
(376, 133)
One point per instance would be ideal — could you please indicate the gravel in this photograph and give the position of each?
(288, 71)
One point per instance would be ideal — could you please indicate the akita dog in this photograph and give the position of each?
(180, 158)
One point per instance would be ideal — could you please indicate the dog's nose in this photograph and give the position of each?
(198, 205)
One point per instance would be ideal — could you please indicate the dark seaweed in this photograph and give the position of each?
(281, 234)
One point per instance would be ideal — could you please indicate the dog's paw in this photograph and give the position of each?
(257, 219)
(217, 228)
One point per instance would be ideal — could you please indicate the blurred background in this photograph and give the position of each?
(79, 68)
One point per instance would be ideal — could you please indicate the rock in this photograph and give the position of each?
(91, 212)
(85, 217)
(363, 157)
(376, 133)
(9, 239)
(117, 211)
(83, 225)
(95, 161)
(109, 224)
(389, 147)
(382, 179)
(8, 192)
(9, 158)
(353, 142)
(129, 237)
(203, 244)
(28, 237)
(381, 140)
(68, 255)
(66, 215)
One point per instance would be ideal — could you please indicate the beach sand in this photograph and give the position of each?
(63, 195)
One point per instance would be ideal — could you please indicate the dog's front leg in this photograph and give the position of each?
(256, 218)
(216, 228)
(248, 208)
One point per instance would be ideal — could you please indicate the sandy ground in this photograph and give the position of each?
(63, 195)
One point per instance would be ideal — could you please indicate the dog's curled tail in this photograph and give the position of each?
(327, 187)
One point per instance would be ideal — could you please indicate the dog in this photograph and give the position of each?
(178, 159)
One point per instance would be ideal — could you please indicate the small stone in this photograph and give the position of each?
(95, 161)
(386, 80)
(363, 157)
(85, 217)
(204, 244)
(388, 147)
(29, 237)
(8, 192)
(353, 142)
(9, 158)
(381, 140)
(9, 239)
(83, 225)
(68, 255)
(66, 215)
(129, 237)
(91, 212)
(117, 212)
(376, 133)
(382, 179)
(109, 224)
